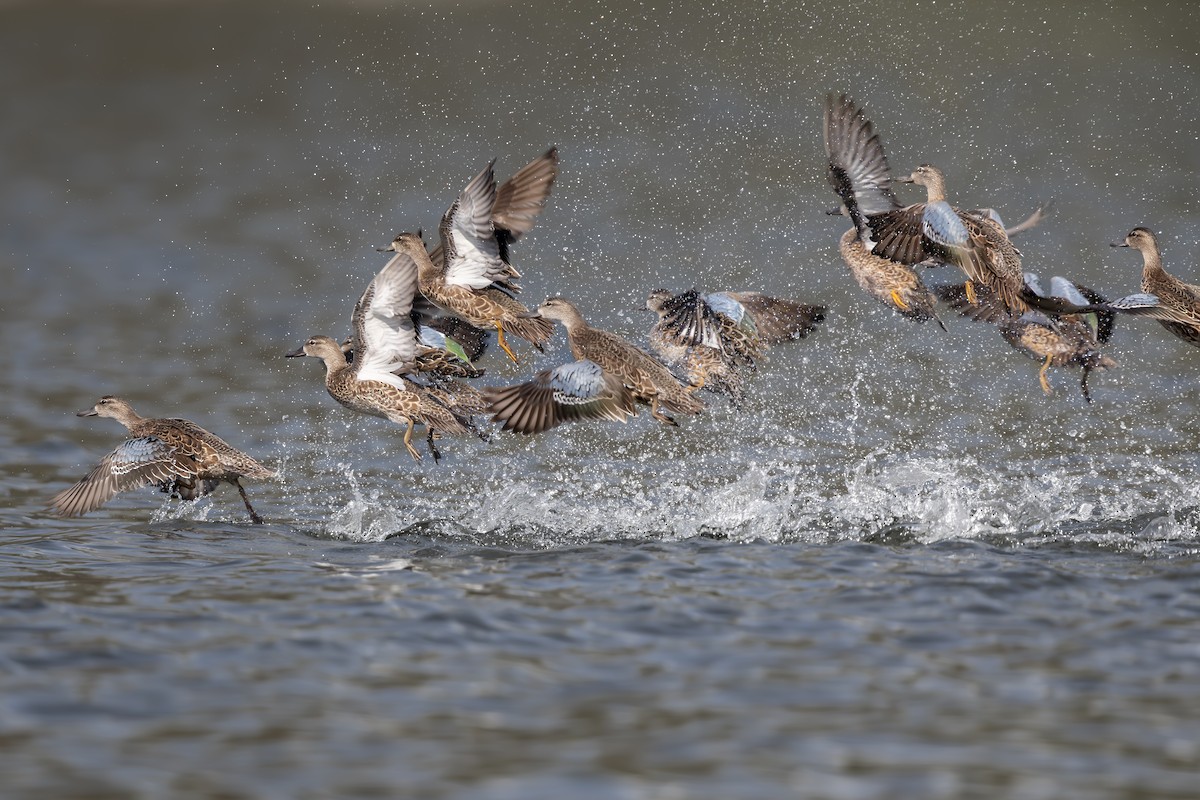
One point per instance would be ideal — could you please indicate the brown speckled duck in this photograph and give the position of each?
(486, 306)
(1057, 340)
(1175, 304)
(979, 246)
(178, 456)
(385, 344)
(860, 174)
(468, 274)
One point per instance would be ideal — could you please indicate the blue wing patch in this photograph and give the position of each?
(942, 225)
(576, 383)
(723, 303)
(1034, 283)
(431, 337)
(135, 453)
(1135, 301)
(1065, 290)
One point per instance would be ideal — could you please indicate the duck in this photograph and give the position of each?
(469, 273)
(617, 359)
(860, 174)
(1166, 298)
(384, 349)
(177, 455)
(934, 231)
(978, 245)
(713, 338)
(1070, 338)
(707, 359)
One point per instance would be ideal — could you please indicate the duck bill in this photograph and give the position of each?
(87, 412)
(1117, 244)
(297, 353)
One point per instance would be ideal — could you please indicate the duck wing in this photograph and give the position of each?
(521, 198)
(858, 166)
(139, 461)
(385, 337)
(575, 391)
(471, 251)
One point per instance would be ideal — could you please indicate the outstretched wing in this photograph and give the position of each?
(574, 391)
(521, 198)
(858, 167)
(136, 462)
(899, 234)
(1100, 321)
(1032, 221)
(688, 320)
(1142, 304)
(777, 320)
(384, 336)
(472, 254)
(1145, 304)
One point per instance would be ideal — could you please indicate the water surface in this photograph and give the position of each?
(898, 570)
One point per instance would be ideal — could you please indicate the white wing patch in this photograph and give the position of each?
(469, 237)
(385, 338)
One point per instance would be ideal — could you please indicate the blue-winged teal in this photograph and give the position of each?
(469, 274)
(713, 337)
(978, 246)
(384, 344)
(1071, 338)
(688, 337)
(178, 456)
(934, 230)
(440, 360)
(648, 380)
(1175, 304)
(860, 174)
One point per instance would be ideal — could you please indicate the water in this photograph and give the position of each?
(898, 571)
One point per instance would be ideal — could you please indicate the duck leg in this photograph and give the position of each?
(504, 345)
(437, 456)
(1042, 375)
(408, 432)
(900, 304)
(969, 286)
(659, 415)
(1083, 385)
(254, 518)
